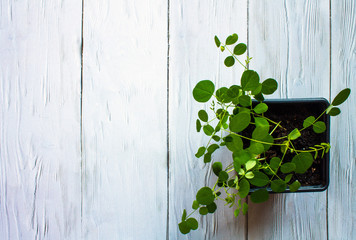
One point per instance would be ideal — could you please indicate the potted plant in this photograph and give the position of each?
(276, 146)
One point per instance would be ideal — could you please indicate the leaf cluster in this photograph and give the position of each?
(250, 170)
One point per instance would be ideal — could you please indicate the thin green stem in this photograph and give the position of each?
(251, 139)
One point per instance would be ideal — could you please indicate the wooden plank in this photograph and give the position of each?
(289, 41)
(40, 70)
(194, 57)
(341, 194)
(124, 119)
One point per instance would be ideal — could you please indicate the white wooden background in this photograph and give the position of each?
(97, 120)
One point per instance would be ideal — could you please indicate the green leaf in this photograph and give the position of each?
(198, 125)
(203, 91)
(234, 91)
(302, 161)
(231, 39)
(239, 122)
(294, 186)
(274, 163)
(319, 127)
(268, 139)
(288, 167)
(216, 138)
(341, 97)
(256, 148)
(203, 210)
(260, 179)
(244, 208)
(249, 175)
(334, 111)
(207, 157)
(235, 143)
(260, 132)
(250, 80)
(250, 164)
(203, 115)
(288, 178)
(257, 90)
(259, 196)
(245, 100)
(294, 134)
(217, 168)
(200, 152)
(244, 188)
(261, 122)
(217, 41)
(208, 130)
(241, 156)
(192, 223)
(240, 49)
(308, 121)
(223, 176)
(229, 61)
(269, 86)
(183, 227)
(278, 186)
(222, 48)
(259, 97)
(237, 212)
(260, 108)
(222, 96)
(212, 148)
(184, 216)
(212, 207)
(205, 196)
(195, 205)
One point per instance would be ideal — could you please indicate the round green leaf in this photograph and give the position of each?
(261, 122)
(203, 115)
(235, 143)
(302, 161)
(260, 179)
(244, 208)
(203, 210)
(240, 49)
(205, 196)
(269, 86)
(308, 121)
(288, 167)
(198, 125)
(229, 61)
(249, 175)
(216, 138)
(212, 207)
(234, 91)
(231, 39)
(294, 186)
(267, 139)
(217, 168)
(222, 96)
(257, 90)
(278, 186)
(192, 223)
(341, 97)
(217, 41)
(319, 127)
(208, 130)
(259, 97)
(274, 163)
(256, 148)
(250, 164)
(223, 176)
(207, 157)
(261, 108)
(260, 132)
(195, 205)
(183, 227)
(245, 100)
(259, 196)
(212, 148)
(244, 188)
(239, 122)
(288, 178)
(294, 134)
(203, 91)
(250, 80)
(200, 152)
(334, 111)
(241, 156)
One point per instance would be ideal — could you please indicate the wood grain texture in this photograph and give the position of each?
(40, 49)
(194, 57)
(342, 189)
(289, 41)
(124, 120)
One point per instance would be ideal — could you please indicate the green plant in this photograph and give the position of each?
(233, 113)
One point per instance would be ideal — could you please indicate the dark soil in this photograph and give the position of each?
(292, 116)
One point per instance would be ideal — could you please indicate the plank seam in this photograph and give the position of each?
(168, 146)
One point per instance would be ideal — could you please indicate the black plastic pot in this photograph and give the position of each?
(304, 108)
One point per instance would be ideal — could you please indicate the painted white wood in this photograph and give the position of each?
(193, 57)
(124, 120)
(342, 190)
(289, 41)
(40, 62)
